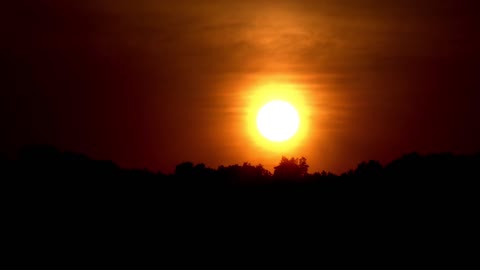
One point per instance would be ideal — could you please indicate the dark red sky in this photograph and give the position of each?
(154, 83)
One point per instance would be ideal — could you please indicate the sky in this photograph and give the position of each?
(150, 84)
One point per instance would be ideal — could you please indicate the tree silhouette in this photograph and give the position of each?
(244, 174)
(293, 168)
(370, 169)
(184, 169)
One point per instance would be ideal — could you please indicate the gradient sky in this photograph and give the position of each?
(150, 84)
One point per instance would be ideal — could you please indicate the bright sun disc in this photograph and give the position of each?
(278, 121)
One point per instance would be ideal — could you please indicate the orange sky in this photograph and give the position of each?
(155, 83)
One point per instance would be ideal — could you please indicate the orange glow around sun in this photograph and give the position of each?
(277, 116)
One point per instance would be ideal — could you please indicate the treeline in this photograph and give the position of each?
(44, 178)
(47, 161)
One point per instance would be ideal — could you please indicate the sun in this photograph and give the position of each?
(278, 116)
(278, 121)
